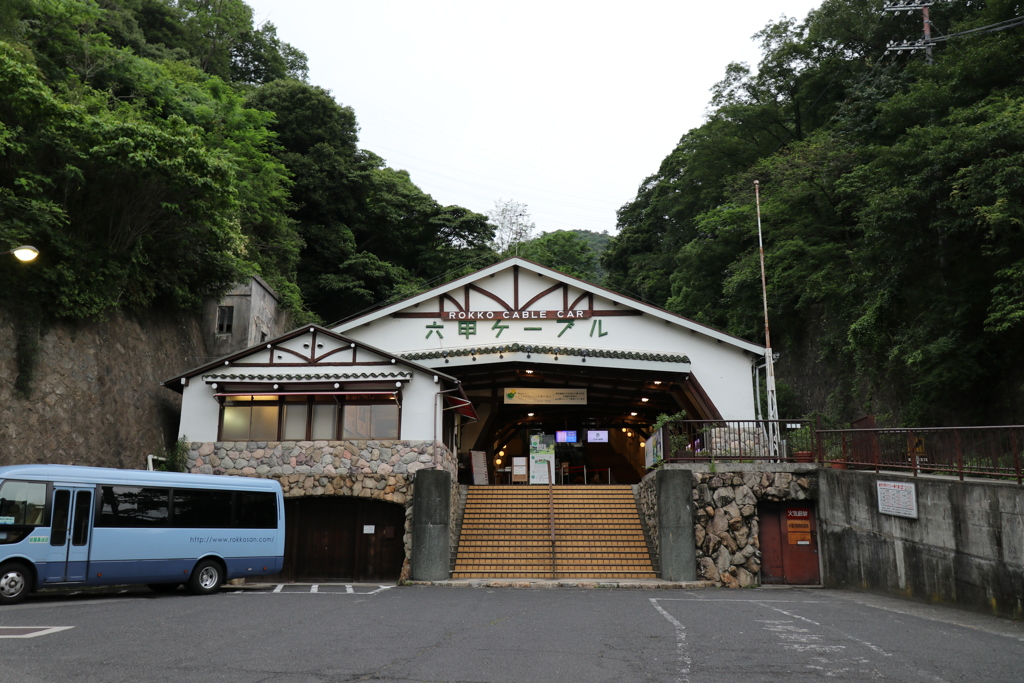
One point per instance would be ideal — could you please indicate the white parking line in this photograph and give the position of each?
(30, 631)
(684, 657)
(314, 589)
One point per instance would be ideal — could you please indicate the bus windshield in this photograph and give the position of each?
(22, 502)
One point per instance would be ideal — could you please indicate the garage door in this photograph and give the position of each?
(349, 539)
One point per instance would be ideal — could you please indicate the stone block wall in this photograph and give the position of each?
(376, 469)
(647, 494)
(94, 397)
(726, 524)
(740, 442)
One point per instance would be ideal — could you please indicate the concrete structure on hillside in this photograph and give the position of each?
(247, 315)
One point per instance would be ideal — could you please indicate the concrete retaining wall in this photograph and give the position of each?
(966, 548)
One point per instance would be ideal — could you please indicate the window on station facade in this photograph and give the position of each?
(300, 417)
(225, 317)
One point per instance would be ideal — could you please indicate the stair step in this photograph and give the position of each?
(506, 533)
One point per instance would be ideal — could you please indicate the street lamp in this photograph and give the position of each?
(23, 253)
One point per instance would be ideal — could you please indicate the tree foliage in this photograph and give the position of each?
(892, 213)
(512, 226)
(156, 151)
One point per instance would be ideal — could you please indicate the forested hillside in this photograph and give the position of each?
(156, 151)
(892, 202)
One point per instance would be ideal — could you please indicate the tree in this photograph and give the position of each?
(564, 251)
(891, 211)
(512, 226)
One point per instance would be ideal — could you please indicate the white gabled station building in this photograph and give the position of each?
(344, 417)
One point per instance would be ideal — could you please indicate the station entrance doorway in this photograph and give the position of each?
(596, 419)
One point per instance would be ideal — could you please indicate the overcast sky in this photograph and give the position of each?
(565, 106)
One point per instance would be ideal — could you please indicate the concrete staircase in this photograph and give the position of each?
(506, 533)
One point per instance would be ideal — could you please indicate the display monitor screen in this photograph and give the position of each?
(597, 436)
(564, 436)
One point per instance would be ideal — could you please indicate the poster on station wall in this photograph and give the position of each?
(654, 449)
(479, 462)
(519, 470)
(897, 498)
(545, 397)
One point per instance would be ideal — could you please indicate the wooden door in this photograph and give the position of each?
(380, 549)
(351, 539)
(789, 544)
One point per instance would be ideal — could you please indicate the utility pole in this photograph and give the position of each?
(909, 6)
(769, 361)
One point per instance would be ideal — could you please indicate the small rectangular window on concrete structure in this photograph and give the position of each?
(225, 316)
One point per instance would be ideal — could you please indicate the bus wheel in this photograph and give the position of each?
(206, 577)
(15, 580)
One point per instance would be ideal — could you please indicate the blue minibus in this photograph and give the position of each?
(63, 525)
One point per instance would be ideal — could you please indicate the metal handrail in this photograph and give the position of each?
(986, 451)
(551, 513)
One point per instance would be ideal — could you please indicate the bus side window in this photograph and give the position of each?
(202, 509)
(255, 510)
(133, 506)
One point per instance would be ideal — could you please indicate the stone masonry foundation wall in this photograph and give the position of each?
(376, 469)
(966, 548)
(726, 524)
(647, 494)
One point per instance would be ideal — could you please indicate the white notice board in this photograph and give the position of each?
(897, 498)
(519, 473)
(479, 460)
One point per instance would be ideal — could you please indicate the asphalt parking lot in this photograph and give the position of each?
(301, 633)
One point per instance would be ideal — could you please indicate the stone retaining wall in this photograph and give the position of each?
(726, 521)
(376, 469)
(94, 397)
(647, 494)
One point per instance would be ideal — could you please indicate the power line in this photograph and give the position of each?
(927, 42)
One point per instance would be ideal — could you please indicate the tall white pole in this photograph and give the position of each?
(769, 365)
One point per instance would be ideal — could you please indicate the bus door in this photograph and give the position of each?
(70, 534)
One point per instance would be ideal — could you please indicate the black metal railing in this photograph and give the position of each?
(739, 440)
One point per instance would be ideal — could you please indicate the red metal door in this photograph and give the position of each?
(789, 543)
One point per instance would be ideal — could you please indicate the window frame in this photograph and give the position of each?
(341, 400)
(225, 319)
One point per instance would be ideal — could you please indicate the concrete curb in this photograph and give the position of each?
(641, 584)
